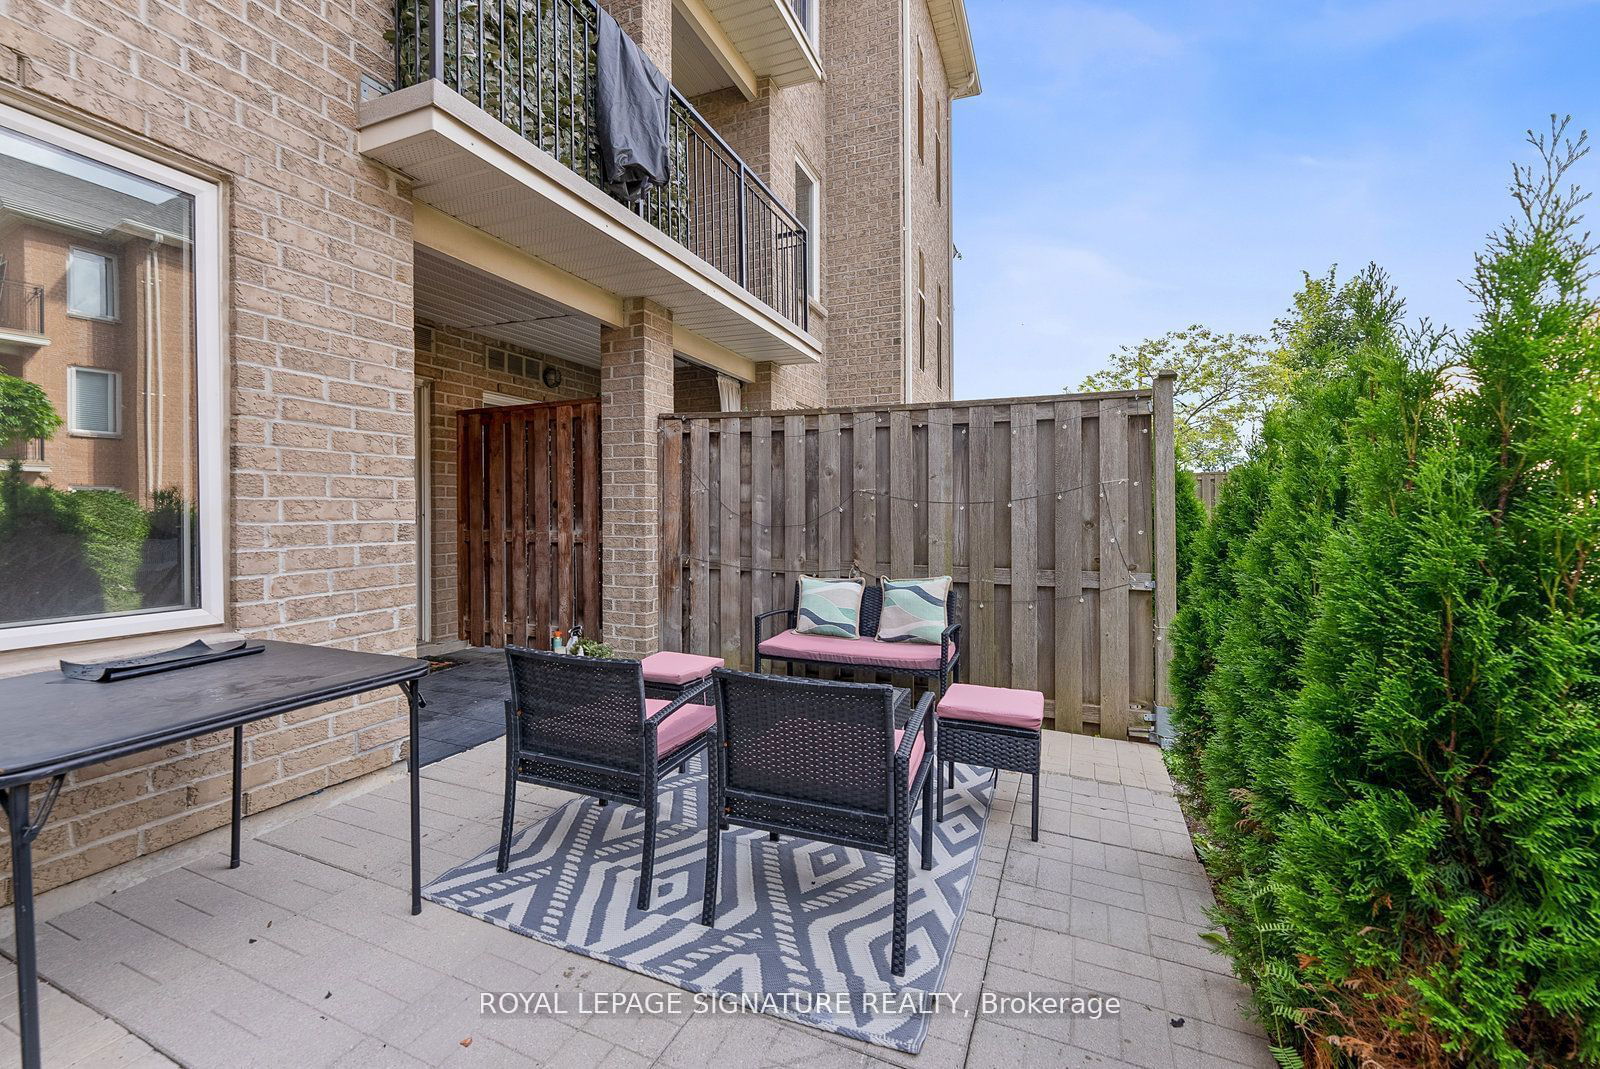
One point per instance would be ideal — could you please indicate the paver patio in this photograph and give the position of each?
(307, 954)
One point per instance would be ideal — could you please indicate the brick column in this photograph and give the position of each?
(635, 388)
(649, 22)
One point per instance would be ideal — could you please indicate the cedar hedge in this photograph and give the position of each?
(1387, 669)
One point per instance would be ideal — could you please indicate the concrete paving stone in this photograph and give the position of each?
(373, 1053)
(936, 1053)
(1195, 955)
(1128, 928)
(975, 933)
(1206, 995)
(996, 1044)
(1027, 949)
(1218, 1046)
(1137, 1035)
(1116, 958)
(275, 876)
(747, 1041)
(1091, 978)
(1177, 930)
(1082, 910)
(985, 892)
(1020, 868)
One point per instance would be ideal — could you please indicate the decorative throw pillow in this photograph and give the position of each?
(830, 607)
(914, 610)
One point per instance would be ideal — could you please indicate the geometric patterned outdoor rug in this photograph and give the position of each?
(803, 928)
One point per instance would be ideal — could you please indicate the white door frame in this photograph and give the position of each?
(423, 409)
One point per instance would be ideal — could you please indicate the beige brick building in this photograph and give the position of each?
(300, 245)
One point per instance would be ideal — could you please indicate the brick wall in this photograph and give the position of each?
(863, 269)
(456, 362)
(318, 341)
(694, 389)
(930, 213)
(636, 383)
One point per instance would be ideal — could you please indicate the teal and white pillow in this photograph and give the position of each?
(830, 607)
(914, 610)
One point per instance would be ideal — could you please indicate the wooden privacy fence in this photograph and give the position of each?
(528, 521)
(1053, 514)
(1207, 485)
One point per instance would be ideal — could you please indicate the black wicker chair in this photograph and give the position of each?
(583, 724)
(820, 760)
(866, 652)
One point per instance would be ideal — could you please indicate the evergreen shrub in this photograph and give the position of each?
(1387, 671)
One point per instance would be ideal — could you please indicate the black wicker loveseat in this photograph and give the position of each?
(916, 659)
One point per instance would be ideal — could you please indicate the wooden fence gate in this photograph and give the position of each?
(528, 521)
(1055, 516)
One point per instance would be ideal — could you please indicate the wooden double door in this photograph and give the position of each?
(528, 519)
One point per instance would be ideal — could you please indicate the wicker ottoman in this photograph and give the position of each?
(995, 727)
(667, 673)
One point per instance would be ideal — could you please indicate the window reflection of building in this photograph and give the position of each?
(97, 309)
(111, 253)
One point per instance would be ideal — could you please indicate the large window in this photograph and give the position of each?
(808, 206)
(111, 425)
(91, 284)
(94, 403)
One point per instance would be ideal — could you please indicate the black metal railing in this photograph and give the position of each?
(28, 451)
(21, 307)
(531, 65)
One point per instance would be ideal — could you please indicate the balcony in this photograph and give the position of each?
(492, 119)
(21, 317)
(27, 455)
(722, 43)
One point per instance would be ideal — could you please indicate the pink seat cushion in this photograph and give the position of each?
(916, 752)
(681, 726)
(993, 705)
(676, 669)
(788, 645)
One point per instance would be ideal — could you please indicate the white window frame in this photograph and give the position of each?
(111, 284)
(812, 24)
(813, 227)
(211, 436)
(73, 429)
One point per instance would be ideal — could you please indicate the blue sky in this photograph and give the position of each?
(1135, 167)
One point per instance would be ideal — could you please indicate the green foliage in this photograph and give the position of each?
(1223, 387)
(1191, 520)
(113, 528)
(593, 648)
(1228, 382)
(70, 554)
(25, 411)
(1387, 671)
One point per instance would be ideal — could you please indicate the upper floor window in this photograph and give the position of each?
(808, 206)
(807, 14)
(91, 285)
(921, 109)
(922, 313)
(113, 526)
(94, 402)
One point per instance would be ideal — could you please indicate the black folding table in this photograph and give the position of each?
(51, 725)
